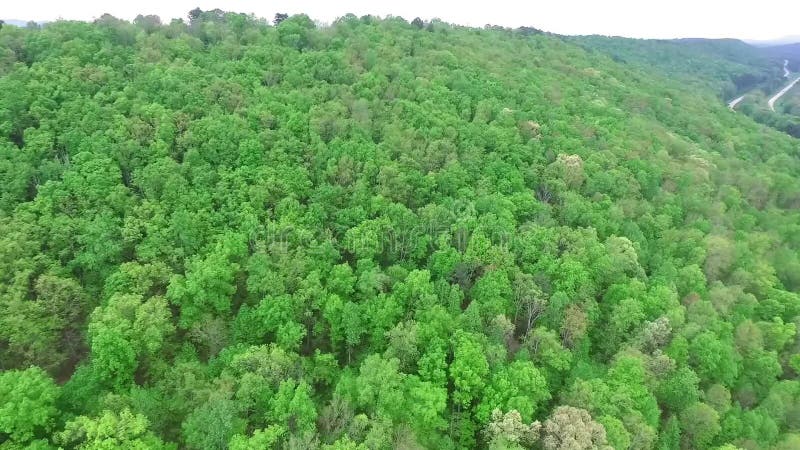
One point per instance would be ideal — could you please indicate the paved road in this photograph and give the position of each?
(775, 98)
(732, 104)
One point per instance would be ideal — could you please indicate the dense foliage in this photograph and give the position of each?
(380, 234)
(785, 117)
(730, 67)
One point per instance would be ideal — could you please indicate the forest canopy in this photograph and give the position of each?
(232, 233)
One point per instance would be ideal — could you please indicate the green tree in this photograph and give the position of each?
(679, 390)
(519, 386)
(264, 438)
(469, 369)
(27, 404)
(713, 359)
(293, 407)
(700, 424)
(209, 283)
(110, 430)
(212, 425)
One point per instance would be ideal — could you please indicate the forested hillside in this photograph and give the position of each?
(786, 51)
(223, 234)
(727, 68)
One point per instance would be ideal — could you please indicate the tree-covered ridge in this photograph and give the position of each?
(381, 234)
(785, 117)
(728, 66)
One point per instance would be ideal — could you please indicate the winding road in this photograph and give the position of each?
(771, 102)
(775, 98)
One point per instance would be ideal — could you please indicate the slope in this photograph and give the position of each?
(381, 234)
(728, 66)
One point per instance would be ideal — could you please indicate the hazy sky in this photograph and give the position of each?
(765, 19)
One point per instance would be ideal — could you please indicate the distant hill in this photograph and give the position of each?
(789, 52)
(728, 66)
(18, 23)
(776, 42)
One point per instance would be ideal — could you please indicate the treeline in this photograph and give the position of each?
(222, 233)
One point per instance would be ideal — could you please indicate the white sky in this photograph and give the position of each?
(764, 19)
